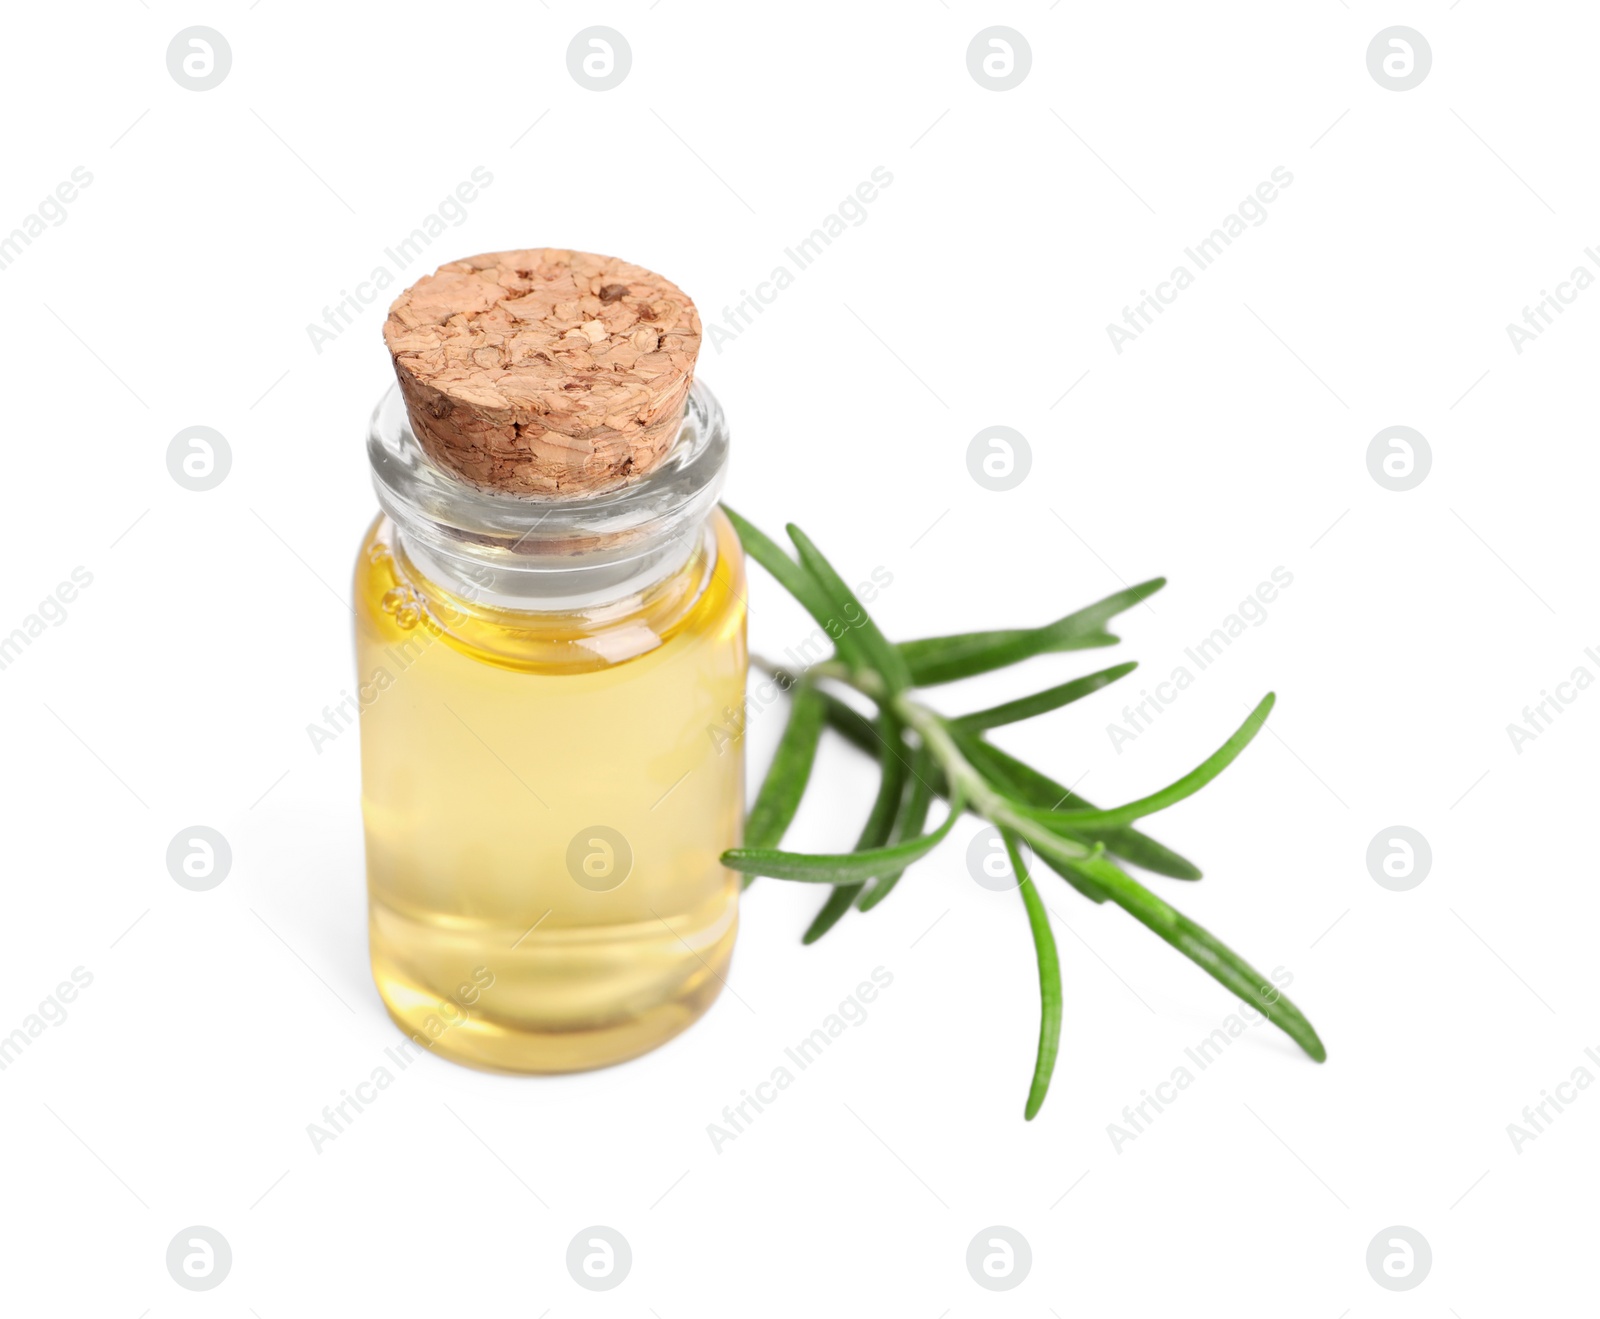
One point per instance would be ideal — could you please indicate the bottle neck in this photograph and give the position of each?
(552, 641)
(550, 555)
(546, 583)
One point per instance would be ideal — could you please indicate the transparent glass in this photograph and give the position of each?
(546, 687)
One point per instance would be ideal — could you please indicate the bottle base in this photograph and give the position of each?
(473, 1029)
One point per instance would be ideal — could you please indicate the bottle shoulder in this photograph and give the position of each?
(701, 603)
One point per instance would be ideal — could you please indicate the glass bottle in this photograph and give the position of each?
(547, 691)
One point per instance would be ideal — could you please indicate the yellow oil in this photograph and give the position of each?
(545, 799)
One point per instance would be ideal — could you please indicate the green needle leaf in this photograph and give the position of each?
(800, 584)
(1028, 785)
(1202, 948)
(832, 912)
(909, 825)
(855, 727)
(789, 772)
(880, 823)
(1187, 786)
(884, 659)
(1044, 947)
(1052, 698)
(934, 660)
(840, 867)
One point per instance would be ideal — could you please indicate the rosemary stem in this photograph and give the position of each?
(931, 727)
(991, 805)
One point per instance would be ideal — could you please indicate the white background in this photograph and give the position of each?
(1228, 440)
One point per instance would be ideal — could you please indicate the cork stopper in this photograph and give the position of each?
(544, 371)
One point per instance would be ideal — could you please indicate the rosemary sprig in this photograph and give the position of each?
(923, 754)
